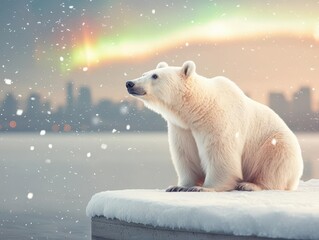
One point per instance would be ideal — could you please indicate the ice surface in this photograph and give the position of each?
(278, 214)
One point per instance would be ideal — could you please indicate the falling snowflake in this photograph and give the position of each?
(47, 161)
(61, 59)
(50, 146)
(8, 81)
(30, 195)
(124, 110)
(273, 141)
(19, 112)
(103, 146)
(153, 11)
(32, 148)
(85, 69)
(96, 120)
(128, 127)
(42, 132)
(237, 134)
(114, 130)
(88, 155)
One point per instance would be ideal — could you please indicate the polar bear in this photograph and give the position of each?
(219, 139)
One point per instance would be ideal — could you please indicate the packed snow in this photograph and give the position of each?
(276, 214)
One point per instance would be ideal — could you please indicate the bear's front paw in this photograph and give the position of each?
(184, 189)
(176, 189)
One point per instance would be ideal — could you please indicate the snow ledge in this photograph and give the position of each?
(265, 214)
(104, 228)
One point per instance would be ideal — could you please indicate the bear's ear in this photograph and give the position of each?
(188, 68)
(162, 65)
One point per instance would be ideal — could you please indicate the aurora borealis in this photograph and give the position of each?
(207, 21)
(262, 45)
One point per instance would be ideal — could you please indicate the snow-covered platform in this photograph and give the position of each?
(155, 214)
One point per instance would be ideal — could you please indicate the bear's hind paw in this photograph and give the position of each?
(247, 186)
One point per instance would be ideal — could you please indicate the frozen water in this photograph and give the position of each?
(56, 177)
(274, 214)
(58, 190)
(42, 132)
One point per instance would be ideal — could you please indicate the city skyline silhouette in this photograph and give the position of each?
(80, 114)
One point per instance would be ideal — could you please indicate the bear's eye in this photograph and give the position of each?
(154, 76)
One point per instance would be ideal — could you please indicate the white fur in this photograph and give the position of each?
(219, 138)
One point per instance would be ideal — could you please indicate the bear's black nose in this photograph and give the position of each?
(129, 84)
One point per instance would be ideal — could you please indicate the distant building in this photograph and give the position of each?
(80, 114)
(302, 101)
(84, 107)
(303, 116)
(34, 107)
(280, 104)
(298, 113)
(8, 118)
(9, 106)
(84, 100)
(69, 97)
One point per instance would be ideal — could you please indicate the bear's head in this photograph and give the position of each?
(163, 88)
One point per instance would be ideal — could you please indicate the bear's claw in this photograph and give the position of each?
(194, 189)
(183, 189)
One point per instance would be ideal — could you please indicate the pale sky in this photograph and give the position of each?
(261, 45)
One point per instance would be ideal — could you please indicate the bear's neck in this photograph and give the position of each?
(199, 107)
